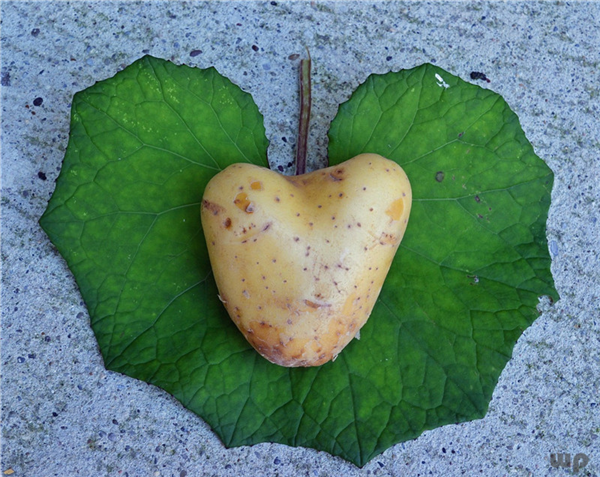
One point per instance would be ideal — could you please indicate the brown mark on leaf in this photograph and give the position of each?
(439, 176)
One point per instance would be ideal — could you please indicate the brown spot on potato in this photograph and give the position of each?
(312, 304)
(243, 203)
(227, 223)
(256, 185)
(396, 209)
(388, 239)
(213, 208)
(336, 175)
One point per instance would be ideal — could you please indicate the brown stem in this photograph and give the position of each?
(305, 104)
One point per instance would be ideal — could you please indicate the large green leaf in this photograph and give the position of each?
(125, 215)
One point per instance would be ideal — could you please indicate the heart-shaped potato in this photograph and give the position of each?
(299, 261)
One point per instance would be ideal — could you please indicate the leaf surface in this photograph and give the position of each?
(463, 287)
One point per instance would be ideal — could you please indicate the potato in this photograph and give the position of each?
(300, 261)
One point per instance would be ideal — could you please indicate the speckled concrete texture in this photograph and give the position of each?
(64, 414)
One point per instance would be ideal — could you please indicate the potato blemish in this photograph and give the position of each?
(243, 203)
(396, 209)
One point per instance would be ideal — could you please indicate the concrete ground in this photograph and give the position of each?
(64, 414)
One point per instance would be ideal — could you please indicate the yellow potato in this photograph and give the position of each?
(300, 261)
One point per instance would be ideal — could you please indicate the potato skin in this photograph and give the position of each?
(300, 261)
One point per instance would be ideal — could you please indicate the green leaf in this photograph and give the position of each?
(125, 216)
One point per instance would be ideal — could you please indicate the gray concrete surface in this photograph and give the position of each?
(64, 414)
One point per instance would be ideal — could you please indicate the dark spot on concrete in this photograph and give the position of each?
(42, 176)
(476, 75)
(195, 53)
(38, 101)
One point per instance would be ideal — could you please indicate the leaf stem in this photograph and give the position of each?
(304, 122)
